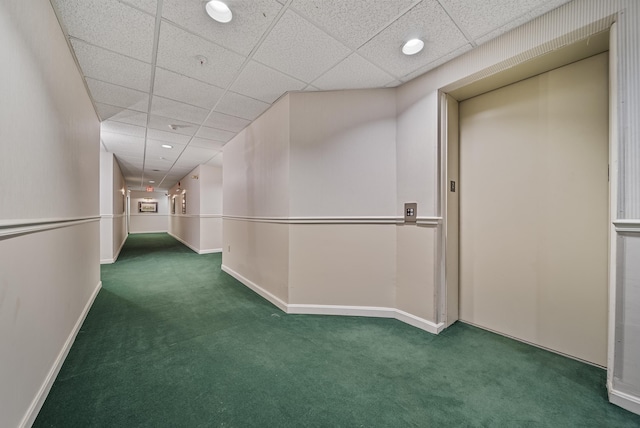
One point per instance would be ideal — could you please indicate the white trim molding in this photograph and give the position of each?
(10, 228)
(341, 310)
(428, 221)
(255, 287)
(422, 221)
(38, 401)
(627, 226)
(116, 255)
(626, 401)
(366, 311)
(210, 251)
(196, 250)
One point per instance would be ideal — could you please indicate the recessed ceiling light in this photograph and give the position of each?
(152, 181)
(412, 47)
(167, 146)
(218, 11)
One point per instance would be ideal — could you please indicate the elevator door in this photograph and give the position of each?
(534, 210)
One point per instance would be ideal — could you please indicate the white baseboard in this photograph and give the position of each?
(210, 251)
(418, 322)
(30, 417)
(351, 311)
(354, 311)
(255, 287)
(185, 243)
(146, 231)
(626, 401)
(115, 256)
(366, 311)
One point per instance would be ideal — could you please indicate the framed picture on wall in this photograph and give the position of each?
(147, 207)
(184, 203)
(173, 205)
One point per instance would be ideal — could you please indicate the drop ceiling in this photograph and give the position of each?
(161, 72)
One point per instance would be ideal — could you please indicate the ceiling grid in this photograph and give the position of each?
(161, 72)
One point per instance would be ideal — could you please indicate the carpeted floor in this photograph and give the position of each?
(171, 341)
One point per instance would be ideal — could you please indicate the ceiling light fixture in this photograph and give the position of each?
(218, 11)
(167, 146)
(412, 47)
(152, 181)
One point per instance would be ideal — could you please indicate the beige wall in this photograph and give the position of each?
(113, 226)
(342, 264)
(255, 236)
(342, 154)
(149, 222)
(49, 170)
(201, 227)
(416, 270)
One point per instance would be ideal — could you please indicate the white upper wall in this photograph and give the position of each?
(210, 178)
(343, 159)
(256, 181)
(49, 132)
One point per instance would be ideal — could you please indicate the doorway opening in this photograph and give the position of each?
(525, 201)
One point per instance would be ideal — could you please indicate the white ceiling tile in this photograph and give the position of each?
(132, 164)
(136, 143)
(352, 22)
(154, 149)
(153, 144)
(264, 83)
(439, 61)
(354, 72)
(162, 123)
(111, 67)
(123, 149)
(427, 21)
(215, 134)
(250, 20)
(482, 16)
(150, 6)
(152, 162)
(544, 7)
(311, 88)
(238, 105)
(298, 48)
(196, 154)
(207, 144)
(117, 96)
(185, 89)
(226, 122)
(176, 110)
(122, 128)
(119, 114)
(169, 137)
(178, 51)
(109, 24)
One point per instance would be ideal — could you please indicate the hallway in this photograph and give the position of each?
(173, 341)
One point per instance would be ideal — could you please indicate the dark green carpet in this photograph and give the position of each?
(171, 341)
